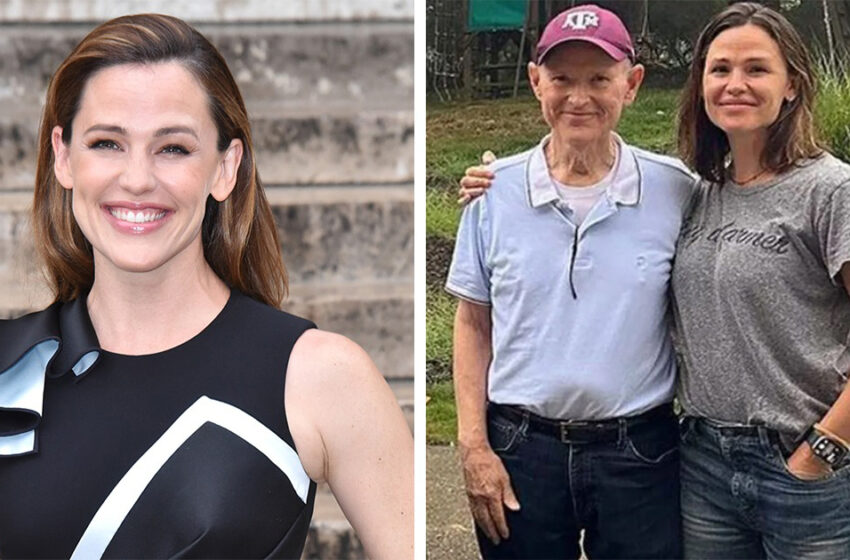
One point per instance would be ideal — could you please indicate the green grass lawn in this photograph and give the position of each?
(458, 133)
(439, 320)
(443, 212)
(440, 420)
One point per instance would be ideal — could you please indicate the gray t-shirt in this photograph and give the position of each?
(762, 316)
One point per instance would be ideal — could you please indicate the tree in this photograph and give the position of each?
(837, 26)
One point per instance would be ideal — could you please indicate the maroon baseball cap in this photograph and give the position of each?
(588, 23)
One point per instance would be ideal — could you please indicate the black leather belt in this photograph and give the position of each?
(581, 431)
(772, 435)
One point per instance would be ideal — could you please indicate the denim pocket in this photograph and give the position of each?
(843, 472)
(504, 435)
(655, 443)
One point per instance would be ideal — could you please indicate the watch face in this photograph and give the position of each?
(827, 450)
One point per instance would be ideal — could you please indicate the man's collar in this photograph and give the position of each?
(625, 186)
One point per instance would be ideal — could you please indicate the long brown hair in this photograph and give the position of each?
(239, 234)
(791, 138)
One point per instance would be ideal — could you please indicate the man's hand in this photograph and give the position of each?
(476, 179)
(488, 488)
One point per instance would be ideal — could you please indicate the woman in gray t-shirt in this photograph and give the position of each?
(762, 308)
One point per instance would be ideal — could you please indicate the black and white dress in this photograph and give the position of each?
(182, 453)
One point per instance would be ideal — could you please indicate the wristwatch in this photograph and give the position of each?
(828, 449)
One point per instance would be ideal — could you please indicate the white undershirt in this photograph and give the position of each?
(581, 200)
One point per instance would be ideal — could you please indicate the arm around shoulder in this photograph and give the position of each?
(351, 433)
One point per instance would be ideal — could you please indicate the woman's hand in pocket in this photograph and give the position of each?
(805, 465)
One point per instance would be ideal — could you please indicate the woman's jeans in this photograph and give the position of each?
(740, 501)
(623, 492)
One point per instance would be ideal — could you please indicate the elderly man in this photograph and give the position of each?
(563, 365)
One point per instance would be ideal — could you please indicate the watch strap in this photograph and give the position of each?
(832, 435)
(826, 446)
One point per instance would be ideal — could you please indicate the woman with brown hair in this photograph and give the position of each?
(760, 285)
(163, 406)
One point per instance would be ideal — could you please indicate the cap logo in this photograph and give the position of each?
(581, 20)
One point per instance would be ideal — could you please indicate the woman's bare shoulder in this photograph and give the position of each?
(320, 357)
(329, 380)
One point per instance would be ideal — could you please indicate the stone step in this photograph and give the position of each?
(329, 103)
(326, 507)
(350, 66)
(328, 235)
(360, 147)
(208, 10)
(332, 539)
(331, 535)
(347, 240)
(379, 320)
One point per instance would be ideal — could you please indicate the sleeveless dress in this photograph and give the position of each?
(184, 453)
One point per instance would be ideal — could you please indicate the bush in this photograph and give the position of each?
(442, 211)
(832, 110)
(439, 326)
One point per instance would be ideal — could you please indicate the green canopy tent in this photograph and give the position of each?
(490, 15)
(487, 15)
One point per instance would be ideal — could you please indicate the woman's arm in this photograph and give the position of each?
(803, 462)
(350, 432)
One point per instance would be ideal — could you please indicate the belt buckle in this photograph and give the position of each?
(569, 426)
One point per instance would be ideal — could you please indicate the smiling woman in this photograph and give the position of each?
(760, 285)
(196, 417)
(141, 187)
(204, 91)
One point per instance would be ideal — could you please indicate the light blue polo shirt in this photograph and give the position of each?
(579, 315)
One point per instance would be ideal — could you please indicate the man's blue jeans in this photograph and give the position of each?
(740, 501)
(623, 493)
